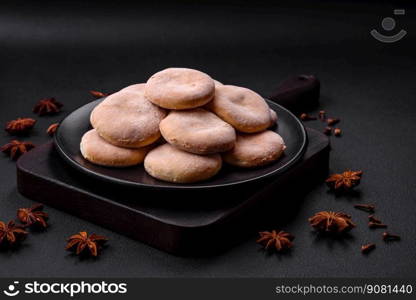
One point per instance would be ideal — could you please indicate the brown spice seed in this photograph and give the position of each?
(332, 121)
(390, 237)
(52, 129)
(98, 94)
(327, 130)
(366, 207)
(337, 132)
(376, 225)
(372, 218)
(367, 248)
(306, 117)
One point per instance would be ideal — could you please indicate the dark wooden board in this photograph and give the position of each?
(184, 222)
(298, 93)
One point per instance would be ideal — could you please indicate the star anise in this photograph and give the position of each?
(345, 180)
(332, 222)
(280, 241)
(20, 125)
(16, 148)
(52, 129)
(11, 233)
(47, 106)
(33, 215)
(97, 94)
(81, 242)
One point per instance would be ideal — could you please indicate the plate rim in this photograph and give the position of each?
(114, 180)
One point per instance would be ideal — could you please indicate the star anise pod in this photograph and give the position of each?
(345, 180)
(81, 242)
(16, 148)
(280, 241)
(11, 233)
(331, 222)
(20, 125)
(47, 106)
(97, 94)
(33, 215)
(52, 129)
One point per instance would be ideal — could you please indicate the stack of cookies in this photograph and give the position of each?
(182, 124)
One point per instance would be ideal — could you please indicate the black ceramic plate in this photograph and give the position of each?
(73, 127)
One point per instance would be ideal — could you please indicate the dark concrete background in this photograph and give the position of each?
(64, 49)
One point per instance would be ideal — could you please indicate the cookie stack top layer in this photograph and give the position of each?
(180, 88)
(206, 119)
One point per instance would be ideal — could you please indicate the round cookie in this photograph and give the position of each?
(174, 165)
(273, 117)
(242, 108)
(128, 119)
(180, 88)
(96, 150)
(197, 131)
(254, 150)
